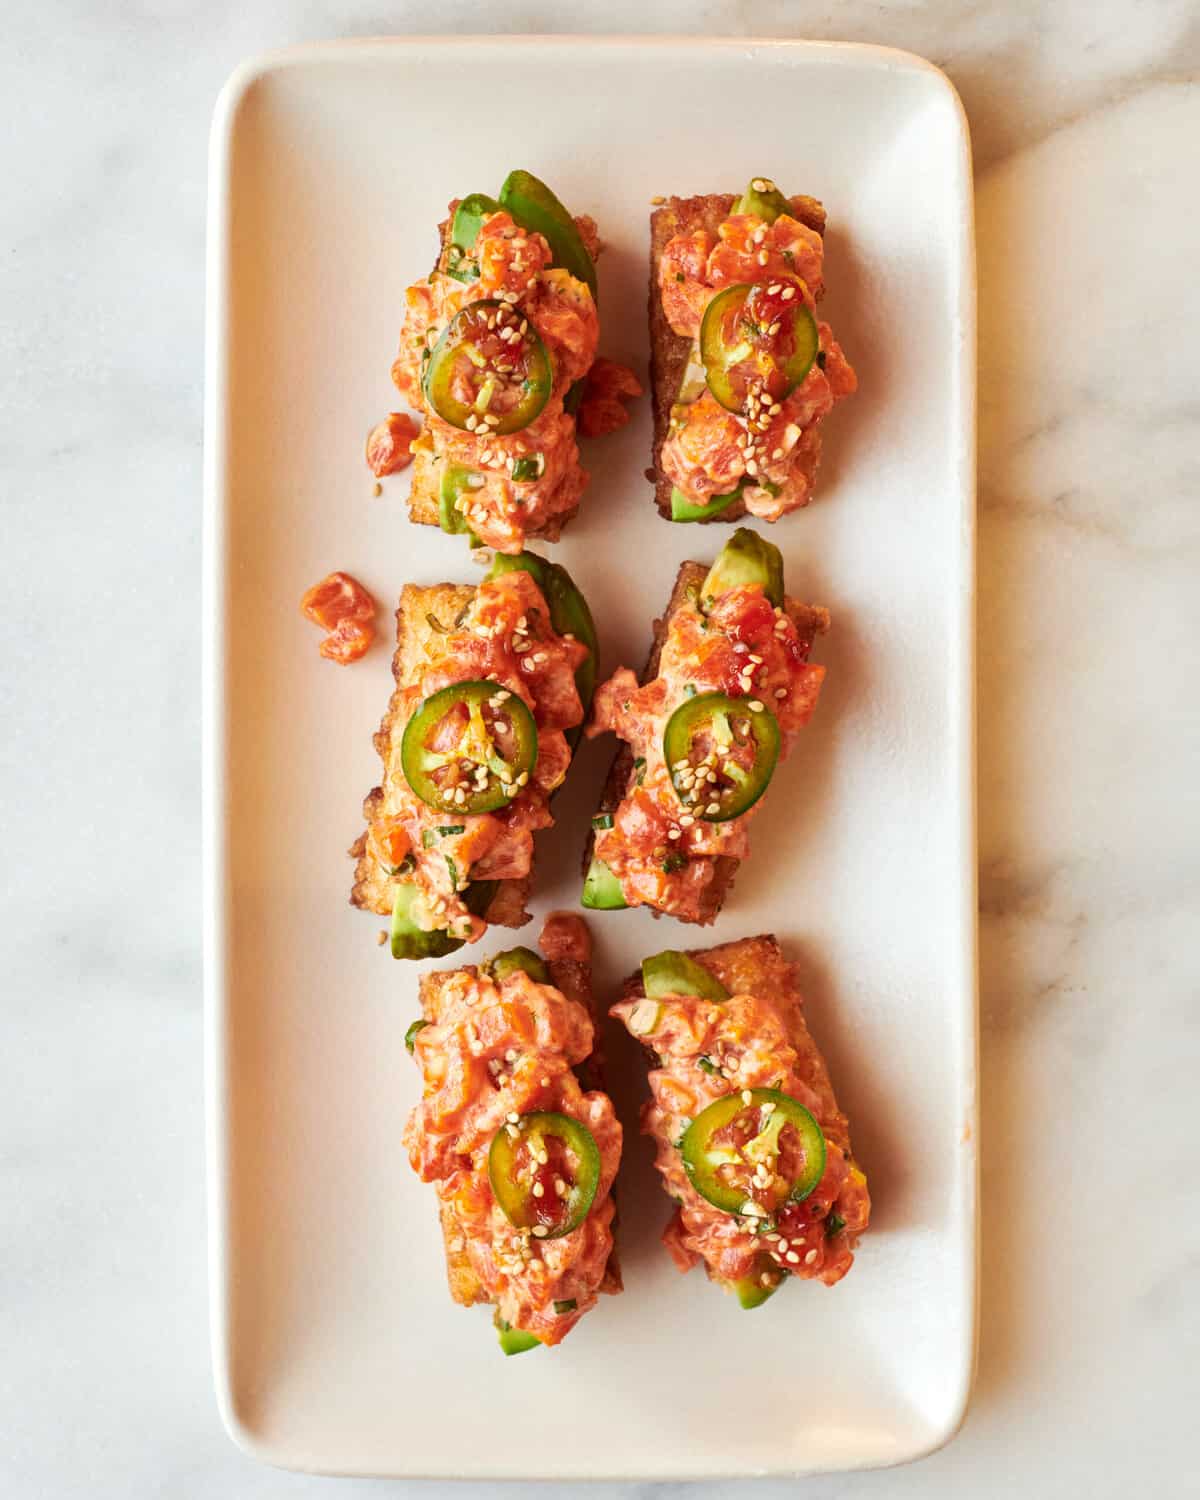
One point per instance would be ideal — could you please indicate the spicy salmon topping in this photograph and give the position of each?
(468, 781)
(734, 688)
(749, 1139)
(522, 1156)
(764, 371)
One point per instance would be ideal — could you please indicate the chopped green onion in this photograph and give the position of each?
(602, 820)
(569, 1305)
(527, 470)
(410, 1035)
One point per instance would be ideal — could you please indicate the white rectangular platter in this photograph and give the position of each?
(336, 1347)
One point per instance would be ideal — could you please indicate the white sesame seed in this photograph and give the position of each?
(673, 833)
(538, 1190)
(512, 1117)
(511, 1055)
(765, 1279)
(788, 293)
(781, 692)
(774, 289)
(540, 1231)
(686, 820)
(754, 706)
(810, 1257)
(560, 1187)
(792, 1258)
(747, 1097)
(763, 257)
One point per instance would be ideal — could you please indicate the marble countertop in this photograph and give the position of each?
(1085, 118)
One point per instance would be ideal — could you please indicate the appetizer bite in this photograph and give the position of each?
(495, 347)
(748, 1136)
(492, 686)
(517, 1135)
(727, 688)
(742, 371)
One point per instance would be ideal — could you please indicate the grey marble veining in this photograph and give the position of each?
(1085, 119)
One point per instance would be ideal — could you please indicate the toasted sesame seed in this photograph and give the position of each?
(673, 833)
(560, 1187)
(755, 659)
(763, 257)
(657, 199)
(538, 1190)
(781, 692)
(765, 1279)
(776, 408)
(751, 466)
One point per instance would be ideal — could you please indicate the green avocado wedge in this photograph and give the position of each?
(683, 509)
(746, 558)
(411, 941)
(750, 1291)
(673, 973)
(762, 198)
(534, 206)
(468, 217)
(513, 1340)
(601, 889)
(513, 960)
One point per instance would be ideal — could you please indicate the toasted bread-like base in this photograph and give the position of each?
(574, 979)
(810, 620)
(756, 966)
(668, 350)
(417, 641)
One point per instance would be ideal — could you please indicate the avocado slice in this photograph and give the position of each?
(513, 1340)
(746, 558)
(765, 201)
(569, 614)
(601, 889)
(534, 206)
(411, 941)
(674, 973)
(454, 481)
(683, 509)
(468, 217)
(750, 1291)
(524, 959)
